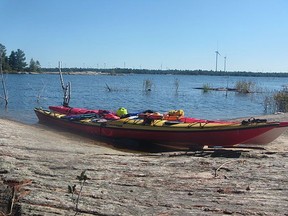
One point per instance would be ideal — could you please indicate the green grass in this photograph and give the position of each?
(281, 101)
(245, 87)
(206, 87)
(277, 102)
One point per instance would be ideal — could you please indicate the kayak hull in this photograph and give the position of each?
(182, 135)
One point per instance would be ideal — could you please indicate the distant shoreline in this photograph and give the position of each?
(123, 71)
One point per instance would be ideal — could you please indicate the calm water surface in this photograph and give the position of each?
(28, 91)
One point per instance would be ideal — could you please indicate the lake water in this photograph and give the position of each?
(28, 91)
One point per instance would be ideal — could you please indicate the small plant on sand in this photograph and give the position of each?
(18, 191)
(243, 86)
(72, 190)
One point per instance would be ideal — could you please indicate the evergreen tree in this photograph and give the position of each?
(34, 66)
(17, 60)
(38, 66)
(12, 61)
(20, 60)
(4, 58)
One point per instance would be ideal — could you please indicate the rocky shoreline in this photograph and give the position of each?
(37, 164)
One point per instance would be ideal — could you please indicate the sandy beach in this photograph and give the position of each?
(37, 163)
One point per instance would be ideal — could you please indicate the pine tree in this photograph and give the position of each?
(38, 66)
(17, 60)
(12, 61)
(20, 60)
(4, 58)
(34, 66)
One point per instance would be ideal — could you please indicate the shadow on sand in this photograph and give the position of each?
(150, 149)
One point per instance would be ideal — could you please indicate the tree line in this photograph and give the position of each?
(16, 61)
(120, 71)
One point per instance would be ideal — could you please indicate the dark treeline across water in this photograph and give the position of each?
(115, 71)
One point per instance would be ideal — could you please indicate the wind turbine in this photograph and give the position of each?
(217, 53)
(225, 63)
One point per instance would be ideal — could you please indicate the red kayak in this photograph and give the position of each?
(70, 111)
(169, 133)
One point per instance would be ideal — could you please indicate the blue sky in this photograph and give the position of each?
(150, 34)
